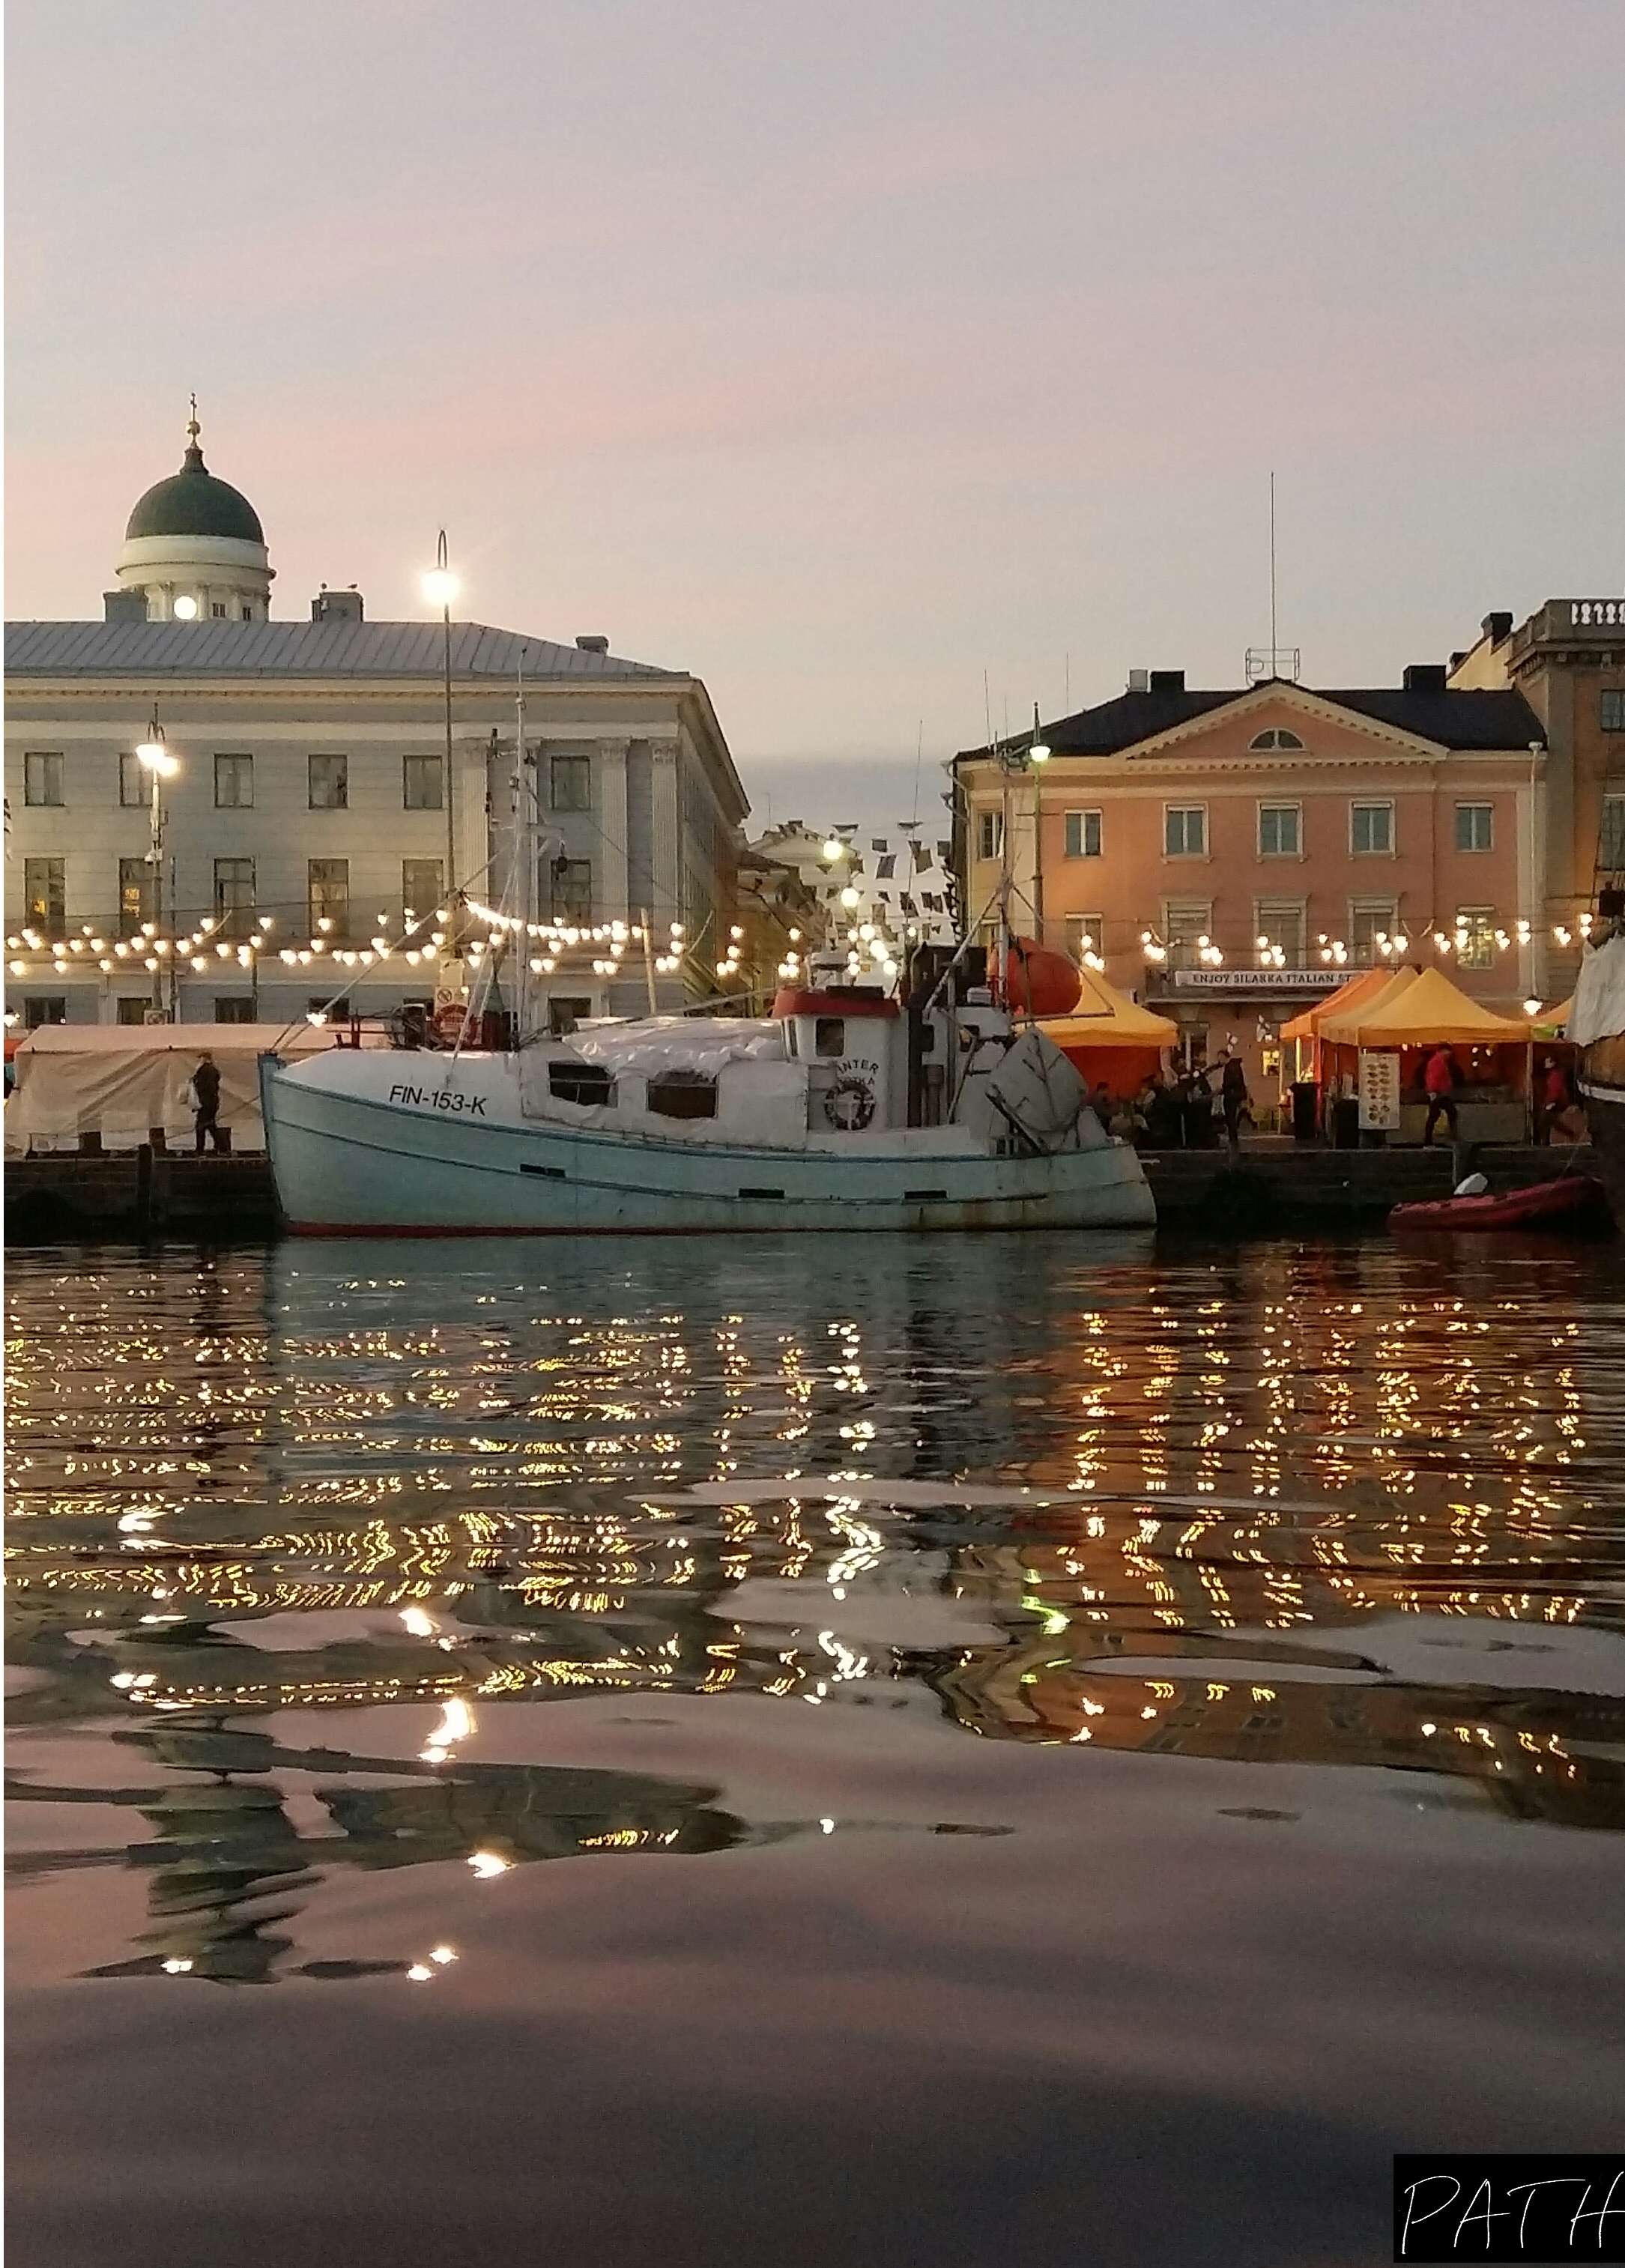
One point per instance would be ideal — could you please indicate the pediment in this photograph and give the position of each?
(1331, 732)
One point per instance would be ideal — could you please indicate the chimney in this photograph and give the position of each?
(124, 606)
(1139, 680)
(1167, 680)
(1496, 627)
(594, 644)
(1425, 677)
(336, 606)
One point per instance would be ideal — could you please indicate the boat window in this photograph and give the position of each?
(829, 1035)
(683, 1094)
(581, 1082)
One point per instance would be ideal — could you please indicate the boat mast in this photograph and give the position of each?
(525, 823)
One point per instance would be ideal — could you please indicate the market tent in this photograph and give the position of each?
(1422, 1013)
(1109, 1037)
(119, 1081)
(1339, 1031)
(1553, 1023)
(1365, 986)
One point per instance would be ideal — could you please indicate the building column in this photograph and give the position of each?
(613, 882)
(668, 836)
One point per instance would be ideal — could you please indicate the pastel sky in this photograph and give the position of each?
(839, 353)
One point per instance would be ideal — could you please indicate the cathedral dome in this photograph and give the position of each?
(192, 501)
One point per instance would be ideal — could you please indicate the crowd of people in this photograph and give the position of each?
(1188, 1110)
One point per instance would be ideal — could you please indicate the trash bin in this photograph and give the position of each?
(1306, 1109)
(1346, 1121)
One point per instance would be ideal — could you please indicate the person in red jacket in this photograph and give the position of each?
(1439, 1080)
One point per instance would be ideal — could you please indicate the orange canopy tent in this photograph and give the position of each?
(1109, 1037)
(1421, 1009)
(1553, 1023)
(1364, 986)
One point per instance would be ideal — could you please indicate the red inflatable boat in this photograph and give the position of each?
(1570, 1199)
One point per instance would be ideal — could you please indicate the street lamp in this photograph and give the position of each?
(156, 761)
(440, 588)
(1038, 757)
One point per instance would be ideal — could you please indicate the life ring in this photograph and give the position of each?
(849, 1103)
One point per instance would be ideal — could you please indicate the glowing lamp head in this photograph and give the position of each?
(849, 897)
(153, 757)
(834, 849)
(186, 609)
(440, 587)
(1038, 754)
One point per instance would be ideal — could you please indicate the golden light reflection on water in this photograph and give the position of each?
(1063, 1493)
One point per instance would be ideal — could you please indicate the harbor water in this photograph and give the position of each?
(820, 1751)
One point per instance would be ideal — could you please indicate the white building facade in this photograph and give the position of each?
(306, 817)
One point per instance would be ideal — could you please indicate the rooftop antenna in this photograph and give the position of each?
(919, 754)
(1274, 660)
(1274, 640)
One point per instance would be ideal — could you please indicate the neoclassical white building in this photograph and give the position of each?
(307, 807)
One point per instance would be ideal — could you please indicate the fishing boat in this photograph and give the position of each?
(929, 1104)
(1596, 1026)
(844, 1109)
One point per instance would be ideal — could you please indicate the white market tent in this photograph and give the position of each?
(119, 1081)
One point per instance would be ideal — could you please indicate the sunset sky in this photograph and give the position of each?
(838, 353)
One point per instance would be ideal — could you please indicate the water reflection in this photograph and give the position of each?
(1343, 1506)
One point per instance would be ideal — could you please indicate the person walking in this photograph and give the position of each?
(206, 1091)
(1439, 1084)
(1558, 1113)
(1234, 1100)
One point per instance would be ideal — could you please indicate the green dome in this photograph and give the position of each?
(192, 501)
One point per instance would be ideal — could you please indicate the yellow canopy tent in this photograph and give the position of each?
(1422, 1011)
(1339, 1031)
(1110, 1037)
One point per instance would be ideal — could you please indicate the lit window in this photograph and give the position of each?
(1475, 826)
(45, 892)
(1476, 926)
(1280, 830)
(1082, 833)
(135, 894)
(1184, 830)
(1370, 829)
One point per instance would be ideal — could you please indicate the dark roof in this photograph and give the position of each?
(192, 501)
(1450, 718)
(273, 649)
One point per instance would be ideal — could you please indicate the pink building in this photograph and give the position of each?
(1231, 855)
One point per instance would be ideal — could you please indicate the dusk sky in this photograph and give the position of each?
(838, 353)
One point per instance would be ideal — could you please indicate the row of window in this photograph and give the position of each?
(328, 782)
(1280, 830)
(235, 896)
